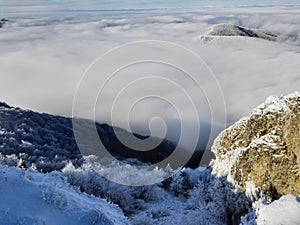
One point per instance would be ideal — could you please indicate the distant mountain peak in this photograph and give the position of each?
(226, 30)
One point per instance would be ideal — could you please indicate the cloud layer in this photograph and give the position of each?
(44, 55)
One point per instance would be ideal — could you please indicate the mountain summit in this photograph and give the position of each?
(225, 30)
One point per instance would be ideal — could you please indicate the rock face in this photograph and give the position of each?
(262, 152)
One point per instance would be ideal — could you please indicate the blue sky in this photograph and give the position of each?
(30, 5)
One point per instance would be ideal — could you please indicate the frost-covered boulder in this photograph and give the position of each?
(33, 198)
(261, 153)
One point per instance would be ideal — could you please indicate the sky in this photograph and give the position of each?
(79, 5)
(47, 46)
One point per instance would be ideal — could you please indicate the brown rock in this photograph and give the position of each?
(263, 149)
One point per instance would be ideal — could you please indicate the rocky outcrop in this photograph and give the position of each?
(261, 153)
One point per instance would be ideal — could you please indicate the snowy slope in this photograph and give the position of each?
(29, 198)
(78, 193)
(190, 197)
(48, 141)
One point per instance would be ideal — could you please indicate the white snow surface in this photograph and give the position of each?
(284, 211)
(29, 197)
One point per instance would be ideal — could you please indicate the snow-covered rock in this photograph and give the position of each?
(229, 31)
(29, 197)
(260, 153)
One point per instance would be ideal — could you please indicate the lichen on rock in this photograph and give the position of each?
(263, 149)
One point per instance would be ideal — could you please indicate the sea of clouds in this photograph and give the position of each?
(45, 51)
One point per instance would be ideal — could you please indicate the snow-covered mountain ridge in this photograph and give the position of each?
(226, 31)
(48, 141)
